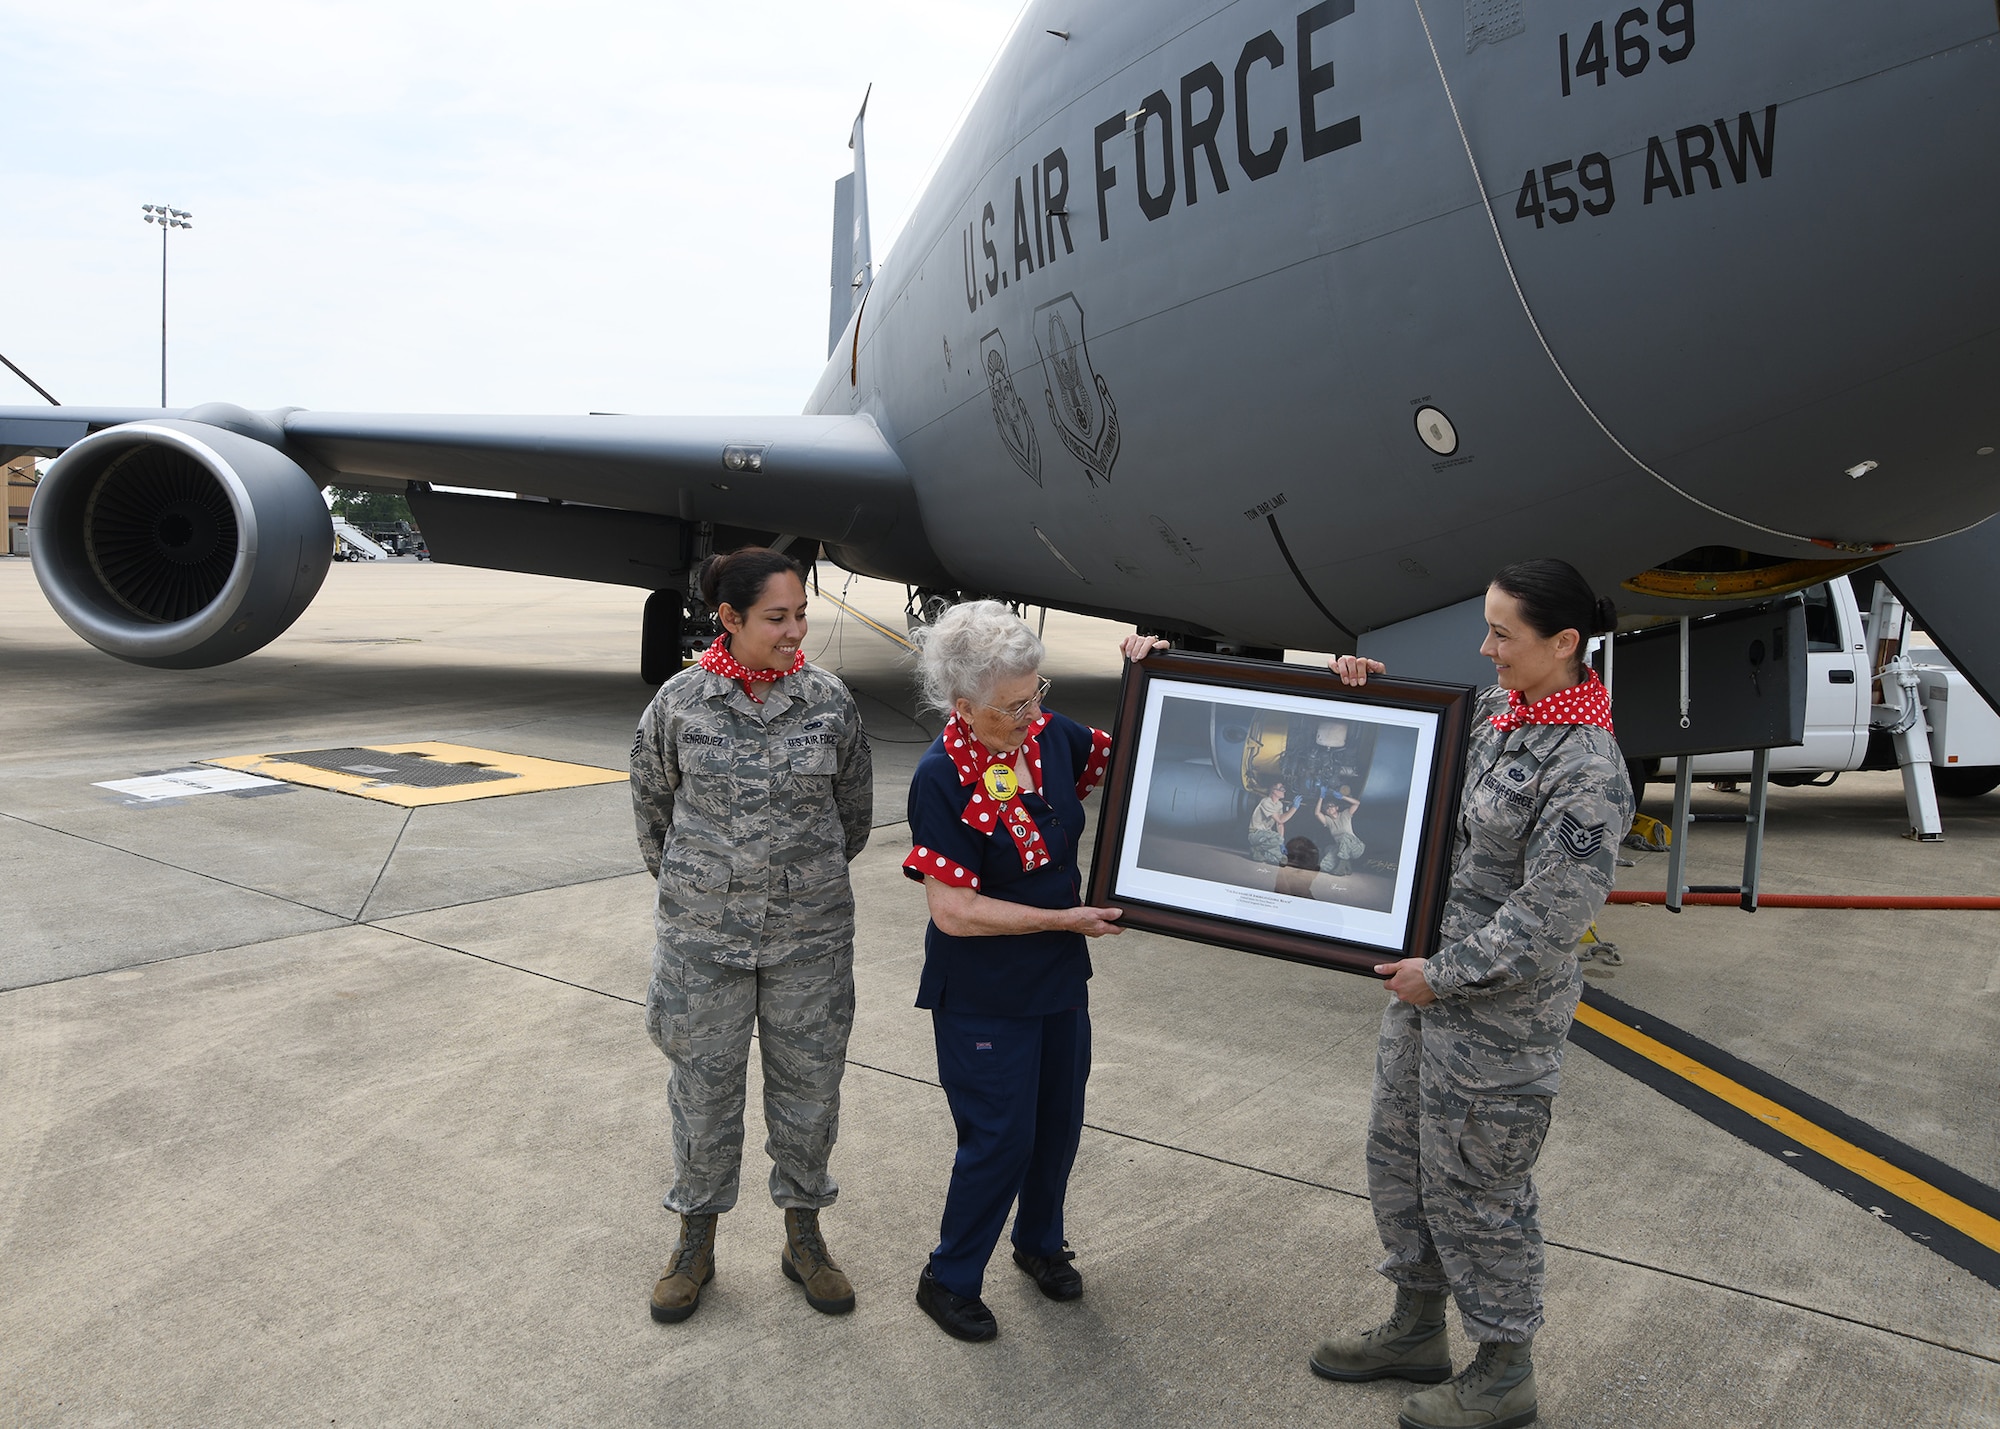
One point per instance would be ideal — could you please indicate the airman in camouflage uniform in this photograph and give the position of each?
(748, 814)
(1463, 1085)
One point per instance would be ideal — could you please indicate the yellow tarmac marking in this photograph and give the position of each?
(871, 624)
(529, 776)
(1896, 1181)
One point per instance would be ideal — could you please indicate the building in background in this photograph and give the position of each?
(23, 472)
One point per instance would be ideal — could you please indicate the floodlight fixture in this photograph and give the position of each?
(166, 217)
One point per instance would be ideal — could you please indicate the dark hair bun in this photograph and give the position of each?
(736, 578)
(1554, 596)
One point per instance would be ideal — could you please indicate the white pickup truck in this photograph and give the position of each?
(1844, 723)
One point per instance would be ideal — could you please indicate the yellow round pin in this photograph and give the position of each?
(1001, 783)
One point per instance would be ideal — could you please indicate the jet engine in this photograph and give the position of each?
(179, 544)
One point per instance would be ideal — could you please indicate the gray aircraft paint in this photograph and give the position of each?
(1269, 345)
(1790, 274)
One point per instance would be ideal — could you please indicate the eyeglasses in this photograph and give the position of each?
(1033, 702)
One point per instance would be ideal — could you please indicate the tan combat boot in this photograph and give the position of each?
(806, 1263)
(693, 1266)
(1495, 1391)
(1410, 1344)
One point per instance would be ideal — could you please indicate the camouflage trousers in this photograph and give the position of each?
(701, 1014)
(1346, 848)
(1266, 847)
(1449, 1178)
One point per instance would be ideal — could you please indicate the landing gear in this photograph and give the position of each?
(660, 637)
(923, 606)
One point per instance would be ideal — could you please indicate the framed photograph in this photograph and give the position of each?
(1271, 808)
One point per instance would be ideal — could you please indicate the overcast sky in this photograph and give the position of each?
(495, 207)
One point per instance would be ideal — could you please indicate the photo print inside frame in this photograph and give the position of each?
(1278, 815)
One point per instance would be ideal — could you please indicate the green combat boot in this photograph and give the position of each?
(1495, 1391)
(806, 1264)
(693, 1266)
(1410, 1344)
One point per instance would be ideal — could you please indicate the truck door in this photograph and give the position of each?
(1836, 683)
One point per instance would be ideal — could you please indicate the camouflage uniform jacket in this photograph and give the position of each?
(1544, 809)
(749, 813)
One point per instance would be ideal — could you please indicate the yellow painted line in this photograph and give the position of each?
(529, 775)
(1897, 1182)
(875, 625)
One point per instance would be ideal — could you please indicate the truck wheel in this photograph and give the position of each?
(1965, 783)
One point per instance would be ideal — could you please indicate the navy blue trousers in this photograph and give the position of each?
(1015, 1085)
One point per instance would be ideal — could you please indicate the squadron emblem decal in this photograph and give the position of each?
(1579, 840)
(1079, 403)
(1010, 413)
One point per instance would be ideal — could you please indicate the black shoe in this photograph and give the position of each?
(1054, 1274)
(960, 1317)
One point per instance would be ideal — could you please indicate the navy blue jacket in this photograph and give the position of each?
(1021, 975)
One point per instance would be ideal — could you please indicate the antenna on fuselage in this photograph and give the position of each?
(853, 262)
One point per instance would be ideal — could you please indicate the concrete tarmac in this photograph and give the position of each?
(314, 1109)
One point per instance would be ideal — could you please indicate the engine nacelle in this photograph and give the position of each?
(178, 544)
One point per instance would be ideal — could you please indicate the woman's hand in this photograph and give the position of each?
(1094, 922)
(1138, 647)
(1406, 982)
(1353, 670)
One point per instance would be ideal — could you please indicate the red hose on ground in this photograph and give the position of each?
(1815, 900)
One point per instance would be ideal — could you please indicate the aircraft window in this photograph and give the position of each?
(1822, 622)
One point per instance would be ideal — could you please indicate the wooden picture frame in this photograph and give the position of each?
(1202, 743)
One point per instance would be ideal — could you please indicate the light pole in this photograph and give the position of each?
(167, 218)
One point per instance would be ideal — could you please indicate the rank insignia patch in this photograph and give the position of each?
(1579, 840)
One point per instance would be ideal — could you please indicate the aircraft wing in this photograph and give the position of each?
(833, 478)
(156, 533)
(51, 430)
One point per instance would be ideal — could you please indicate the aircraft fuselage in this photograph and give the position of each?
(1204, 317)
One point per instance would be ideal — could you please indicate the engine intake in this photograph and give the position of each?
(179, 544)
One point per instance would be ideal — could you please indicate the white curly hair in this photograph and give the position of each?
(970, 650)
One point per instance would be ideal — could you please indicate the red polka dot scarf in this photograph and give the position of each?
(983, 810)
(996, 801)
(1586, 703)
(717, 660)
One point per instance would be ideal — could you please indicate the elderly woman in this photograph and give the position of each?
(996, 809)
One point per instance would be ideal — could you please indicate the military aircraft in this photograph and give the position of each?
(1266, 322)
